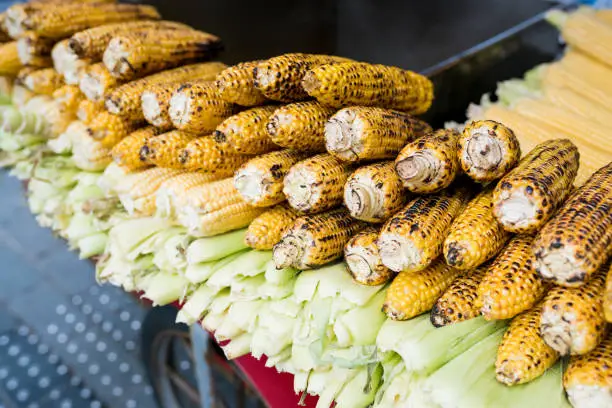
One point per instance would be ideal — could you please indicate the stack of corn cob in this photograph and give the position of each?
(231, 180)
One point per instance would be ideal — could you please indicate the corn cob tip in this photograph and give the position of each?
(420, 166)
(287, 252)
(362, 201)
(558, 263)
(398, 252)
(363, 259)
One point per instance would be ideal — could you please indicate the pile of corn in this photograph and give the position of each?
(297, 207)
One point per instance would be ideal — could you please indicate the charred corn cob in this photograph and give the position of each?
(374, 193)
(173, 192)
(42, 81)
(522, 355)
(96, 82)
(280, 78)
(137, 191)
(246, 133)
(260, 180)
(475, 235)
(413, 238)
(33, 49)
(429, 163)
(573, 318)
(215, 208)
(68, 98)
(488, 150)
(125, 99)
(62, 20)
(300, 126)
(413, 293)
(511, 284)
(369, 133)
(205, 154)
(314, 240)
(9, 59)
(267, 230)
(236, 84)
(316, 184)
(196, 107)
(588, 379)
(608, 297)
(363, 259)
(578, 239)
(459, 301)
(529, 194)
(357, 83)
(88, 110)
(109, 129)
(134, 55)
(126, 153)
(92, 42)
(164, 150)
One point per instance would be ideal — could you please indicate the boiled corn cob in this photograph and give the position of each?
(475, 236)
(488, 150)
(413, 293)
(363, 259)
(357, 83)
(260, 180)
(413, 238)
(369, 133)
(578, 239)
(374, 193)
(511, 285)
(89, 154)
(42, 81)
(68, 98)
(526, 197)
(125, 99)
(608, 297)
(570, 100)
(34, 50)
(316, 184)
(164, 150)
(205, 154)
(588, 379)
(10, 64)
(459, 301)
(109, 129)
(300, 126)
(522, 355)
(137, 191)
(134, 55)
(429, 163)
(246, 133)
(126, 153)
(573, 318)
(215, 208)
(267, 230)
(236, 84)
(314, 240)
(88, 110)
(196, 107)
(280, 78)
(96, 82)
(173, 192)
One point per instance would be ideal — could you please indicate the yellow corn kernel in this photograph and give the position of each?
(10, 64)
(206, 155)
(126, 153)
(267, 230)
(571, 100)
(96, 82)
(608, 297)
(173, 192)
(164, 150)
(109, 129)
(68, 98)
(137, 190)
(246, 133)
(363, 259)
(88, 110)
(42, 81)
(236, 84)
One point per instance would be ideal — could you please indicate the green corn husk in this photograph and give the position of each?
(216, 248)
(200, 272)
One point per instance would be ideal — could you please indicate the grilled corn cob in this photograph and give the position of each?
(68, 98)
(236, 84)
(588, 379)
(369, 133)
(522, 355)
(357, 83)
(62, 20)
(34, 49)
(215, 208)
(246, 133)
(267, 230)
(511, 285)
(529, 194)
(363, 259)
(164, 150)
(608, 297)
(280, 78)
(9, 59)
(109, 129)
(573, 318)
(137, 191)
(314, 240)
(487, 150)
(88, 110)
(413, 238)
(413, 293)
(316, 184)
(134, 55)
(260, 180)
(96, 82)
(205, 154)
(125, 99)
(42, 81)
(475, 235)
(459, 301)
(374, 193)
(578, 239)
(429, 163)
(173, 192)
(196, 107)
(126, 153)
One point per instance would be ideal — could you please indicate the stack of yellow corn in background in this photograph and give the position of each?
(228, 181)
